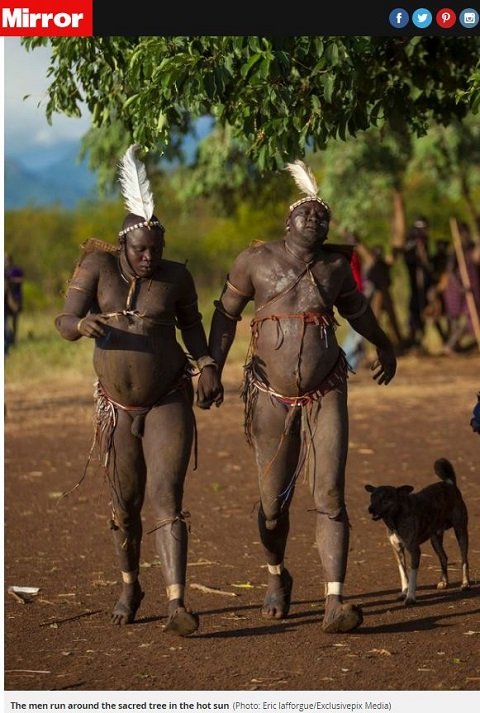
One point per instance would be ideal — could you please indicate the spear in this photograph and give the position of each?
(464, 276)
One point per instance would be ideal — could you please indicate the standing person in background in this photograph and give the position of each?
(14, 286)
(436, 309)
(378, 277)
(130, 300)
(417, 262)
(9, 308)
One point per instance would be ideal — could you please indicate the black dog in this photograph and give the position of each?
(414, 519)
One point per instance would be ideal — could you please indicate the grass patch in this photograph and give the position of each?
(42, 354)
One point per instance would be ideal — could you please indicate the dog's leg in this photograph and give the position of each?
(412, 576)
(437, 544)
(399, 552)
(461, 533)
(465, 576)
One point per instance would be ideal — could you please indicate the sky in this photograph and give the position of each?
(27, 134)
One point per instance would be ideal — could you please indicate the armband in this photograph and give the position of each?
(235, 289)
(79, 289)
(357, 314)
(219, 306)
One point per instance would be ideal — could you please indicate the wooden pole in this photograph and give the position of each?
(462, 266)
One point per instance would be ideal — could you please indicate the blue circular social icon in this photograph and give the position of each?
(469, 18)
(398, 18)
(422, 17)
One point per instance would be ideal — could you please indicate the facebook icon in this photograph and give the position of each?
(398, 17)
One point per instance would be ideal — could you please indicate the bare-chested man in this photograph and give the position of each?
(130, 301)
(295, 386)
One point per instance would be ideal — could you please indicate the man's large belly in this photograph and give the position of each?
(138, 369)
(293, 363)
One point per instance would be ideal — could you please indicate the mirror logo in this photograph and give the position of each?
(47, 18)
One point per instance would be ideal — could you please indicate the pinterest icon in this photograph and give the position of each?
(446, 18)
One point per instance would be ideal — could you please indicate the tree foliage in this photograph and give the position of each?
(278, 95)
(450, 156)
(362, 176)
(46, 241)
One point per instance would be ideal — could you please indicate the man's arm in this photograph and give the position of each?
(354, 307)
(222, 335)
(189, 321)
(367, 325)
(237, 292)
(386, 364)
(80, 317)
(75, 320)
(209, 386)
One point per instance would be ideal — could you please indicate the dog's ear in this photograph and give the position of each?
(405, 489)
(369, 488)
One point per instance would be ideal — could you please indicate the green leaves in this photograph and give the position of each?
(279, 95)
(245, 69)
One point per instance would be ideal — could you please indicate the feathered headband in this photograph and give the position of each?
(135, 188)
(307, 183)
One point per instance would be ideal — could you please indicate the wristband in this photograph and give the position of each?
(204, 361)
(79, 324)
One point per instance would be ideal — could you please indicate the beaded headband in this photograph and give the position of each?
(310, 198)
(145, 224)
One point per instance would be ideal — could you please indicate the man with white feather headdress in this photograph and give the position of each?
(130, 300)
(295, 386)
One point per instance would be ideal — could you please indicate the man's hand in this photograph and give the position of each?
(385, 366)
(93, 326)
(209, 388)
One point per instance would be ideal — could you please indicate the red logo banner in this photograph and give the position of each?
(47, 18)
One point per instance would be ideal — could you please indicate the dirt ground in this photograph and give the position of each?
(63, 640)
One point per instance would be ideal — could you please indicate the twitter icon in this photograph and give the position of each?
(422, 17)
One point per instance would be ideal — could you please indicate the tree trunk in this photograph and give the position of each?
(462, 266)
(398, 219)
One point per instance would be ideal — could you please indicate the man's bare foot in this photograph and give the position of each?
(125, 609)
(277, 599)
(339, 617)
(181, 621)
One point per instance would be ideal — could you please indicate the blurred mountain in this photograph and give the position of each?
(64, 181)
(53, 175)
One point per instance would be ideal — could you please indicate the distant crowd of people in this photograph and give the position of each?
(441, 291)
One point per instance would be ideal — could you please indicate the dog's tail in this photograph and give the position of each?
(445, 471)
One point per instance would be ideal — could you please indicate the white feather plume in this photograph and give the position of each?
(303, 177)
(135, 185)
